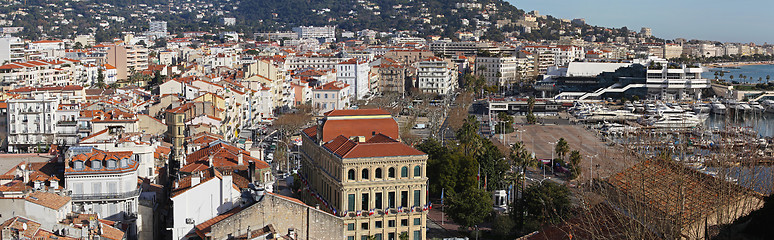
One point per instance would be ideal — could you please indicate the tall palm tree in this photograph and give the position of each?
(562, 148)
(768, 77)
(522, 159)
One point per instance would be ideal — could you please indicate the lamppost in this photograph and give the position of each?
(553, 144)
(591, 167)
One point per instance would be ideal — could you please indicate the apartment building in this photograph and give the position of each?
(39, 73)
(392, 76)
(448, 48)
(436, 76)
(408, 56)
(354, 73)
(127, 59)
(563, 54)
(32, 122)
(330, 96)
(324, 34)
(355, 164)
(103, 182)
(499, 70)
(11, 49)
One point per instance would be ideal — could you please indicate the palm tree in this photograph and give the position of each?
(716, 75)
(562, 148)
(522, 159)
(768, 77)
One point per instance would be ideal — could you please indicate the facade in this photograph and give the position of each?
(330, 96)
(392, 77)
(354, 73)
(127, 59)
(31, 122)
(158, 28)
(325, 34)
(675, 82)
(498, 71)
(364, 174)
(447, 48)
(200, 197)
(563, 54)
(436, 76)
(11, 49)
(103, 182)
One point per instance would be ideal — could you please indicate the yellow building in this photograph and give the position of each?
(356, 167)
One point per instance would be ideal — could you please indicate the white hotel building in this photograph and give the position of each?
(675, 82)
(436, 76)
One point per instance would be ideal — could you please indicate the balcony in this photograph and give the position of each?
(106, 196)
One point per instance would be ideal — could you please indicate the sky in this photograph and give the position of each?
(741, 21)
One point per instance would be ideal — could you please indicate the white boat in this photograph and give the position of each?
(701, 108)
(718, 108)
(629, 107)
(769, 105)
(745, 106)
(676, 121)
(757, 107)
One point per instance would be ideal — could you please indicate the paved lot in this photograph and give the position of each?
(607, 161)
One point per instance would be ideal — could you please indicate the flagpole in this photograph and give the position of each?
(442, 208)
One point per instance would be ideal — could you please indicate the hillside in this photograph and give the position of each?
(109, 18)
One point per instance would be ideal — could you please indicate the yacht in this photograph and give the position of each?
(629, 107)
(745, 107)
(676, 121)
(639, 107)
(718, 108)
(756, 107)
(701, 108)
(769, 105)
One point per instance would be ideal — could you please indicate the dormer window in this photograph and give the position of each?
(78, 165)
(96, 164)
(111, 164)
(124, 163)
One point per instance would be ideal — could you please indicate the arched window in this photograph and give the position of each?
(365, 174)
(391, 172)
(378, 173)
(417, 171)
(404, 172)
(351, 174)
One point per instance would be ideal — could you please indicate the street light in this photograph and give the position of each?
(591, 167)
(552, 155)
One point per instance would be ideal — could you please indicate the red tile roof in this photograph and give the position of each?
(356, 112)
(359, 127)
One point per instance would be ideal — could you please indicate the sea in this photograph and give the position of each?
(754, 73)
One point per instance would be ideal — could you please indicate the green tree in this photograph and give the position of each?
(531, 119)
(503, 226)
(562, 148)
(468, 136)
(469, 207)
(100, 79)
(636, 98)
(523, 159)
(545, 203)
(403, 236)
(575, 161)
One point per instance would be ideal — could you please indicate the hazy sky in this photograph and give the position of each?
(726, 21)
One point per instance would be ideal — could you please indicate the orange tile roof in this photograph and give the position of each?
(47, 199)
(356, 112)
(359, 127)
(204, 227)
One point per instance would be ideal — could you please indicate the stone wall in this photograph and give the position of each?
(283, 214)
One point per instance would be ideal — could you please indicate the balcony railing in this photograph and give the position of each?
(107, 196)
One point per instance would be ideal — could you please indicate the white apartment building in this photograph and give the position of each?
(104, 183)
(563, 54)
(667, 81)
(158, 28)
(326, 34)
(498, 71)
(11, 49)
(39, 73)
(330, 96)
(31, 122)
(354, 73)
(436, 76)
(315, 62)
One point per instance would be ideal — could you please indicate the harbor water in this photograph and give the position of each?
(754, 73)
(763, 123)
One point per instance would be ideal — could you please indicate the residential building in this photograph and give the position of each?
(354, 73)
(499, 70)
(31, 122)
(127, 59)
(200, 197)
(408, 57)
(158, 28)
(448, 48)
(324, 34)
(104, 183)
(11, 49)
(436, 76)
(355, 165)
(562, 54)
(330, 96)
(392, 76)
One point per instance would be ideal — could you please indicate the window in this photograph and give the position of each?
(96, 187)
(378, 173)
(391, 223)
(404, 172)
(417, 198)
(351, 174)
(378, 200)
(350, 227)
(364, 226)
(351, 202)
(417, 221)
(378, 224)
(96, 164)
(404, 198)
(78, 165)
(403, 222)
(391, 172)
(378, 236)
(391, 199)
(350, 237)
(365, 174)
(417, 171)
(417, 235)
(391, 236)
(364, 202)
(111, 164)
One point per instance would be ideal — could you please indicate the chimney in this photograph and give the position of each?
(251, 171)
(196, 179)
(240, 158)
(209, 158)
